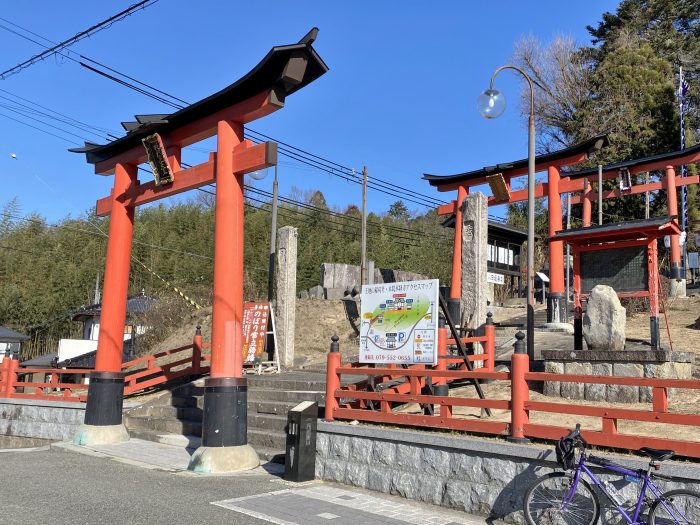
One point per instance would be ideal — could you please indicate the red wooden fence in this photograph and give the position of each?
(141, 373)
(355, 401)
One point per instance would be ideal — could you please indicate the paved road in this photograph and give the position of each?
(59, 486)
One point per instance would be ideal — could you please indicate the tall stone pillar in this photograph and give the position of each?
(285, 314)
(474, 254)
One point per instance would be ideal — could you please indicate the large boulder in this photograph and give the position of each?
(604, 322)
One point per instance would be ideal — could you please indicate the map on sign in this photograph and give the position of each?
(399, 322)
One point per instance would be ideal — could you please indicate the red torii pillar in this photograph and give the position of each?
(455, 302)
(556, 301)
(672, 196)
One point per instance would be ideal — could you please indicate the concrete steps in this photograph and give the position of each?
(175, 417)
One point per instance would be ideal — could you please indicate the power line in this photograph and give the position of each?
(288, 150)
(378, 180)
(333, 214)
(102, 234)
(38, 129)
(100, 26)
(336, 214)
(63, 118)
(25, 115)
(354, 233)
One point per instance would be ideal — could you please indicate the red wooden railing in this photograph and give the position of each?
(140, 374)
(355, 401)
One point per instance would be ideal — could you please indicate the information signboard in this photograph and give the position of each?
(495, 278)
(255, 316)
(399, 322)
(625, 269)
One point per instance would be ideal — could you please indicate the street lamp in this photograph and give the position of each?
(491, 104)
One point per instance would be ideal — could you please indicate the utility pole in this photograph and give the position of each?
(97, 289)
(646, 197)
(568, 253)
(682, 90)
(363, 256)
(273, 242)
(600, 194)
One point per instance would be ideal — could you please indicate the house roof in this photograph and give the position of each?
(43, 361)
(86, 360)
(278, 71)
(586, 147)
(10, 336)
(138, 304)
(501, 229)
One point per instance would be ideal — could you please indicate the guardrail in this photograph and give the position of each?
(71, 384)
(358, 402)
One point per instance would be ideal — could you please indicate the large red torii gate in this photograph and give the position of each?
(284, 70)
(561, 183)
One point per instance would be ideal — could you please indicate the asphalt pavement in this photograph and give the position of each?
(134, 485)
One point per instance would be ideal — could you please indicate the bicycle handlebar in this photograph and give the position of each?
(575, 435)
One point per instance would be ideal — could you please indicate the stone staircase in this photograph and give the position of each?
(175, 416)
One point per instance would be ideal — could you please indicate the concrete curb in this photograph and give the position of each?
(495, 446)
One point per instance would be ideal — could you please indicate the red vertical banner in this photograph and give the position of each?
(255, 317)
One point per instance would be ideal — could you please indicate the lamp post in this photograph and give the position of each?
(491, 104)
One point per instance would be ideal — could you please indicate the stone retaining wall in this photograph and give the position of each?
(486, 476)
(661, 364)
(51, 420)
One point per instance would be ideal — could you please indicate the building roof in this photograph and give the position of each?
(86, 360)
(276, 71)
(136, 305)
(627, 230)
(500, 228)
(663, 157)
(587, 147)
(43, 361)
(10, 336)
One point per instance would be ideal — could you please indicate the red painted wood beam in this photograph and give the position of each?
(570, 186)
(508, 174)
(246, 159)
(641, 188)
(251, 109)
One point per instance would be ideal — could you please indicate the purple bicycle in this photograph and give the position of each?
(567, 498)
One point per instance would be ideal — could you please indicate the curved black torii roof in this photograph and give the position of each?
(285, 69)
(587, 146)
(636, 162)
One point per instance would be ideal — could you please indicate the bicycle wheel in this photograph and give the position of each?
(545, 502)
(680, 507)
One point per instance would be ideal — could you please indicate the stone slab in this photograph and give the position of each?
(639, 356)
(321, 504)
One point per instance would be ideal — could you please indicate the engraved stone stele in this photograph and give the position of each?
(286, 294)
(474, 255)
(605, 320)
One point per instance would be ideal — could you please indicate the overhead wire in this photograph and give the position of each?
(286, 149)
(100, 26)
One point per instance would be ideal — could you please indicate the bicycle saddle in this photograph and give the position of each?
(657, 454)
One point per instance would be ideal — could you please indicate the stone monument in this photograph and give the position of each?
(285, 314)
(605, 320)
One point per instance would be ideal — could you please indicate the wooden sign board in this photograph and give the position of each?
(625, 269)
(255, 318)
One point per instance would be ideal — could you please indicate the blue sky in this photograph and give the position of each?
(399, 96)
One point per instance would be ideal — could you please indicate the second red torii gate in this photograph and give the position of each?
(561, 183)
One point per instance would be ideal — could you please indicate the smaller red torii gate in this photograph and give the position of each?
(499, 177)
(283, 71)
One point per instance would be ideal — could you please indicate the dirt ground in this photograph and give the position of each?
(318, 320)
